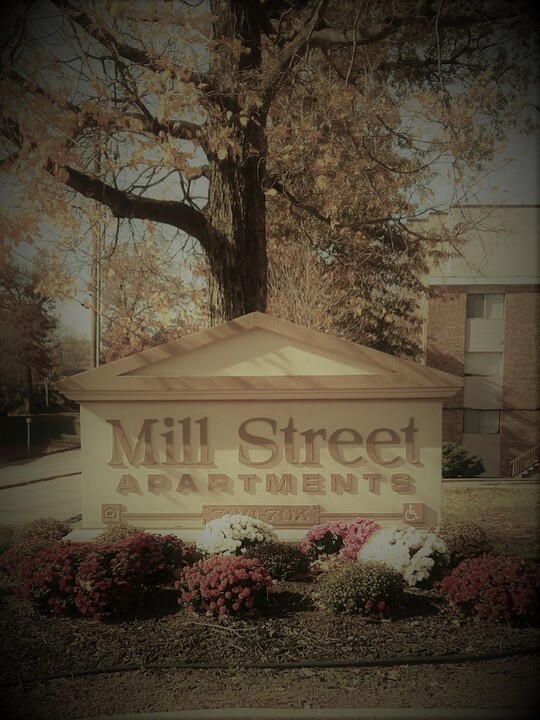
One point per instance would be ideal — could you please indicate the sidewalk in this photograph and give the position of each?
(24, 495)
(23, 472)
(328, 714)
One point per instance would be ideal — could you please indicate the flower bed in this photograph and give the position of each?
(110, 578)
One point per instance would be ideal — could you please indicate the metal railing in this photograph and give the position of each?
(525, 461)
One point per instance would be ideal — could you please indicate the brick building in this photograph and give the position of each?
(484, 325)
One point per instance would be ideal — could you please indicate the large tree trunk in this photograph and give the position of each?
(238, 262)
(236, 203)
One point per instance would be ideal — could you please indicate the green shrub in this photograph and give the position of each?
(494, 587)
(282, 560)
(6, 537)
(457, 462)
(113, 533)
(360, 588)
(464, 539)
(42, 529)
(26, 541)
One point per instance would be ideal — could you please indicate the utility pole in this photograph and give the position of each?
(96, 299)
(95, 284)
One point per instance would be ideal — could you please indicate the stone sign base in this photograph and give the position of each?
(263, 418)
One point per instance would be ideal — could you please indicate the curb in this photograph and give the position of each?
(327, 714)
(22, 483)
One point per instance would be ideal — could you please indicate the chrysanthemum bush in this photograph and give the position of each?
(225, 585)
(495, 587)
(464, 539)
(343, 538)
(100, 580)
(233, 535)
(361, 588)
(105, 587)
(150, 559)
(116, 532)
(419, 555)
(282, 560)
(26, 540)
(48, 580)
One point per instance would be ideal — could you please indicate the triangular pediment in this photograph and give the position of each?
(257, 354)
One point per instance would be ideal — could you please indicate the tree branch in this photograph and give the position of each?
(391, 25)
(135, 55)
(277, 185)
(127, 205)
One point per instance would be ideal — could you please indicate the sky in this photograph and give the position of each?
(516, 181)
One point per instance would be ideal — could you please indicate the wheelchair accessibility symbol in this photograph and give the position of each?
(413, 512)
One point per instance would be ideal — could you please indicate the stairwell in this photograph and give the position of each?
(526, 465)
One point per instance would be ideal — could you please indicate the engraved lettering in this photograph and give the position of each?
(249, 482)
(217, 482)
(207, 458)
(401, 482)
(312, 456)
(288, 436)
(373, 481)
(128, 484)
(258, 441)
(186, 484)
(158, 483)
(283, 485)
(170, 445)
(122, 445)
(313, 483)
(336, 441)
(375, 440)
(410, 454)
(340, 484)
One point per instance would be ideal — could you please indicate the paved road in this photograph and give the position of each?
(47, 466)
(59, 498)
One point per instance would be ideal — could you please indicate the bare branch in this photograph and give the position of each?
(128, 205)
(133, 54)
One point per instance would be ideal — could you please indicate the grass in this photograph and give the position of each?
(509, 515)
(48, 433)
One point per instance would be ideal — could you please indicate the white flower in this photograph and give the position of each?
(228, 534)
(408, 550)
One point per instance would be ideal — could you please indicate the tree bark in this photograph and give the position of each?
(236, 244)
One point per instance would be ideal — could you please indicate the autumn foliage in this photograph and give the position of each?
(239, 130)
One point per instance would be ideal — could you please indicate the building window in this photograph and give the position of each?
(481, 422)
(489, 306)
(484, 364)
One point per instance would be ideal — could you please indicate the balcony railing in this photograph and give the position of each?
(525, 461)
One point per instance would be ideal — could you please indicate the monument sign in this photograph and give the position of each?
(261, 417)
